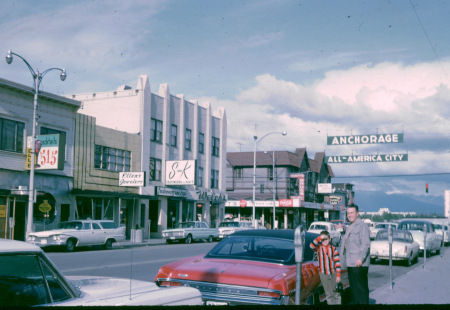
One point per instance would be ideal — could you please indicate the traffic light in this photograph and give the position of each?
(426, 187)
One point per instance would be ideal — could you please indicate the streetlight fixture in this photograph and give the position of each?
(37, 78)
(256, 141)
(273, 185)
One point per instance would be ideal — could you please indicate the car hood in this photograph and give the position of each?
(47, 233)
(227, 271)
(104, 291)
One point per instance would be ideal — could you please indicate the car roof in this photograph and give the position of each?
(271, 233)
(416, 221)
(7, 246)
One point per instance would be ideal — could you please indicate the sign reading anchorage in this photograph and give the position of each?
(366, 139)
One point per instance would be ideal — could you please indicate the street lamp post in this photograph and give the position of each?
(273, 187)
(37, 78)
(256, 141)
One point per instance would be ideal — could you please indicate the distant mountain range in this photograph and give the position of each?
(373, 201)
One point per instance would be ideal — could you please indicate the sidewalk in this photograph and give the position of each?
(427, 284)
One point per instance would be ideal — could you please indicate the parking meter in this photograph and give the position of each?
(298, 248)
(424, 244)
(390, 240)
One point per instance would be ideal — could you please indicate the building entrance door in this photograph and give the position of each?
(19, 214)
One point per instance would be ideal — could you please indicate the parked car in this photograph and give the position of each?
(229, 227)
(78, 233)
(381, 226)
(444, 231)
(249, 267)
(317, 227)
(191, 231)
(340, 225)
(404, 248)
(29, 278)
(417, 229)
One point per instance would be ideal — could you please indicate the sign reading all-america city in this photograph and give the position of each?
(365, 139)
(366, 158)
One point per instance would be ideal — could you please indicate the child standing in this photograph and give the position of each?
(329, 266)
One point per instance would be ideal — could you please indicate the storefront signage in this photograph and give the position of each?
(132, 179)
(286, 203)
(365, 139)
(243, 203)
(2, 210)
(171, 192)
(324, 188)
(366, 158)
(45, 207)
(49, 152)
(334, 200)
(180, 172)
(212, 196)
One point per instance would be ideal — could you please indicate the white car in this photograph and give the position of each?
(77, 233)
(227, 228)
(404, 248)
(418, 229)
(380, 226)
(444, 231)
(29, 278)
(318, 227)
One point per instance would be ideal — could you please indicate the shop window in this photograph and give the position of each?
(11, 135)
(200, 177)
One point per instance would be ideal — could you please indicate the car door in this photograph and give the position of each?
(98, 234)
(85, 235)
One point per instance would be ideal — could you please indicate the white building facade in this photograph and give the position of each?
(172, 131)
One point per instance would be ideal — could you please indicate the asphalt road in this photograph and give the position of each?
(143, 263)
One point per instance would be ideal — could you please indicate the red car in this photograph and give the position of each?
(248, 267)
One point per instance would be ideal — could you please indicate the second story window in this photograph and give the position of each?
(200, 177)
(11, 135)
(111, 159)
(155, 169)
(239, 173)
(188, 139)
(214, 178)
(173, 135)
(201, 143)
(215, 147)
(156, 130)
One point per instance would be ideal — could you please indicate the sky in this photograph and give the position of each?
(310, 68)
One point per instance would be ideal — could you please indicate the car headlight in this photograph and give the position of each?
(57, 238)
(31, 238)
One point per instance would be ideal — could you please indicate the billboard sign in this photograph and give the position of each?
(365, 139)
(324, 188)
(180, 172)
(49, 152)
(366, 158)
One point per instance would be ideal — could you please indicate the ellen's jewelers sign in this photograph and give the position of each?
(131, 178)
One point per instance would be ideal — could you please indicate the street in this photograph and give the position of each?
(143, 263)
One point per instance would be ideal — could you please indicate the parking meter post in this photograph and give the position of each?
(298, 247)
(424, 245)
(390, 240)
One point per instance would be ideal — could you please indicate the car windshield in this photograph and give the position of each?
(437, 226)
(186, 225)
(229, 224)
(70, 225)
(255, 248)
(397, 236)
(413, 226)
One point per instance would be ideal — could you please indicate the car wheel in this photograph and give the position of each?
(168, 241)
(410, 260)
(188, 239)
(372, 260)
(108, 244)
(210, 239)
(70, 245)
(438, 251)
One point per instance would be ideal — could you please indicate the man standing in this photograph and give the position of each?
(355, 253)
